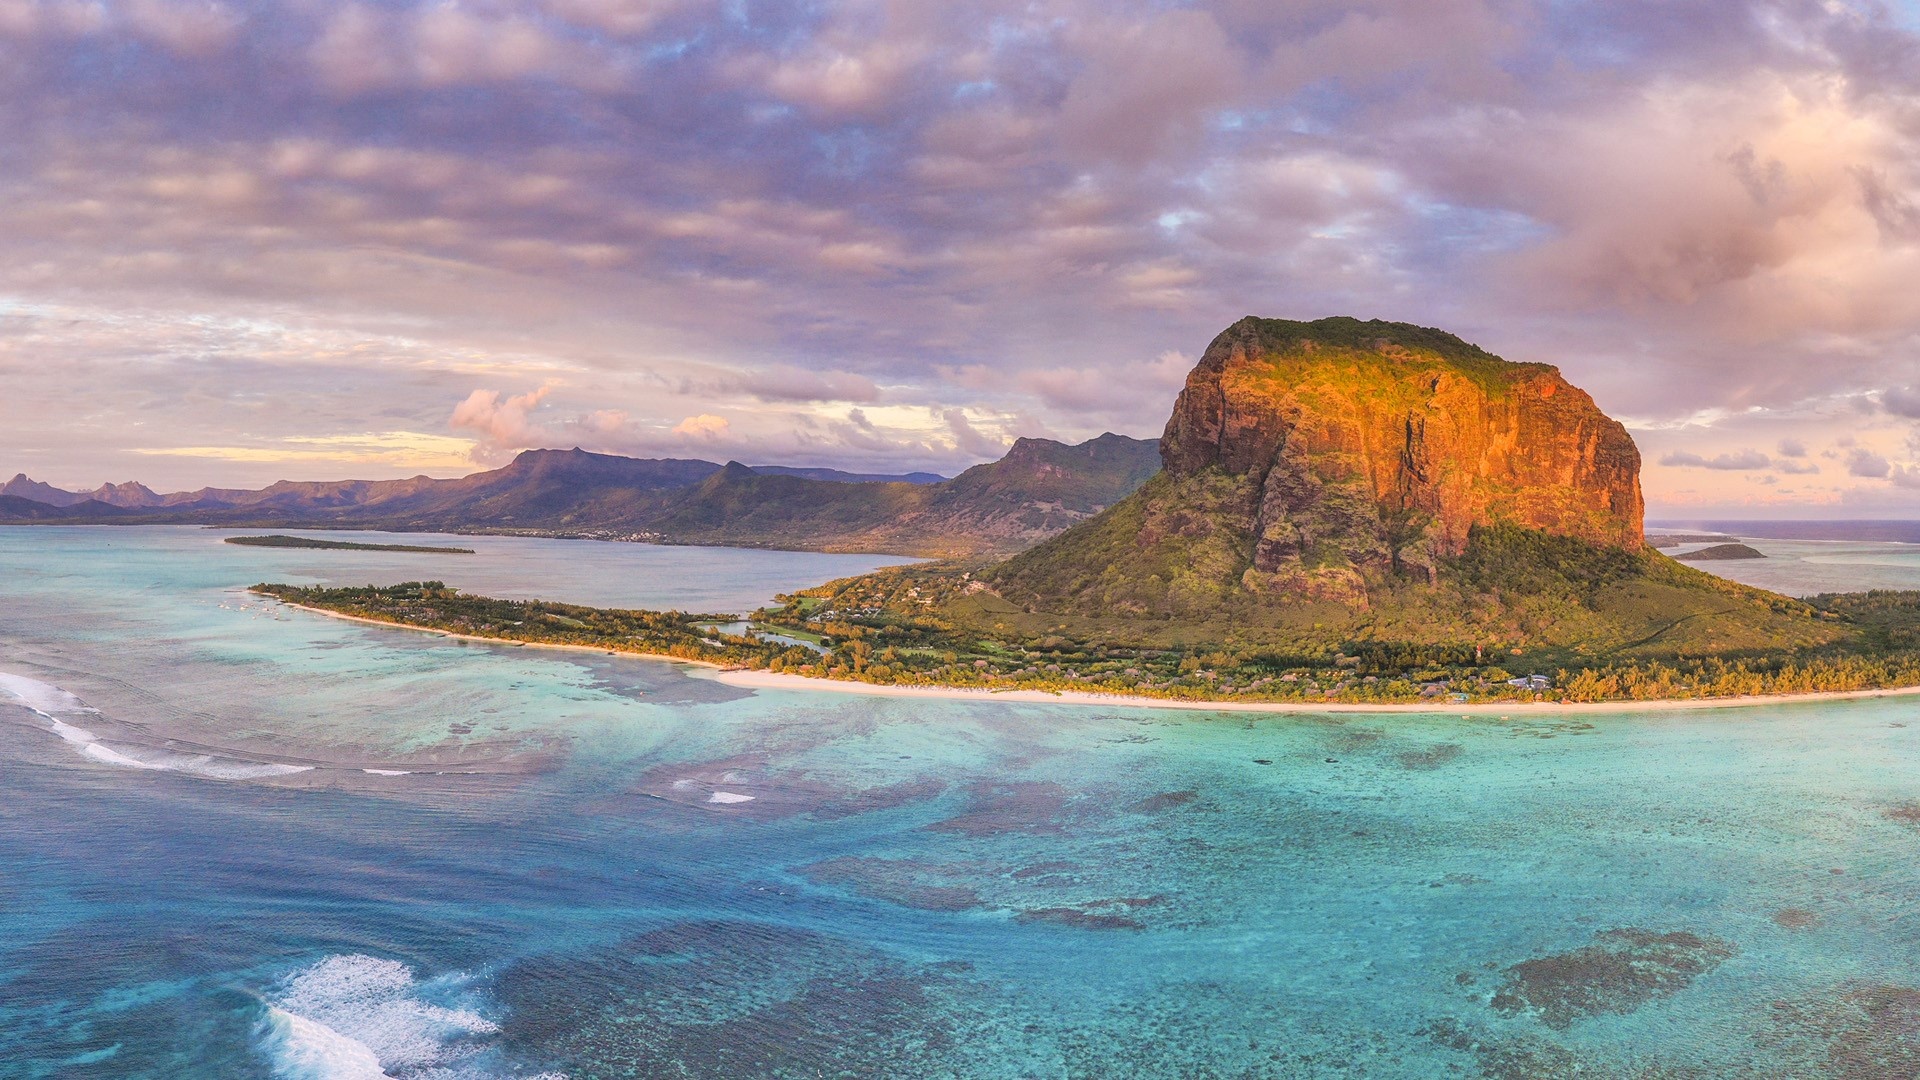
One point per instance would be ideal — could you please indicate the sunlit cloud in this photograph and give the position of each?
(897, 236)
(387, 450)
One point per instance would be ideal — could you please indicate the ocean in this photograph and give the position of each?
(243, 841)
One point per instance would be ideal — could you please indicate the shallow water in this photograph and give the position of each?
(500, 862)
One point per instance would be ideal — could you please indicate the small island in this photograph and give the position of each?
(1721, 552)
(278, 541)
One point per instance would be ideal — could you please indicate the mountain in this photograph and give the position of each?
(131, 494)
(1343, 480)
(847, 477)
(1038, 489)
(20, 487)
(744, 506)
(16, 508)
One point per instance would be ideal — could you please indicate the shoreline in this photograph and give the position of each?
(754, 679)
(780, 680)
(511, 642)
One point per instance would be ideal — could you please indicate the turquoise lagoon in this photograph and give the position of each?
(243, 841)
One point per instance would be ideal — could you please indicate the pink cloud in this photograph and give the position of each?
(501, 423)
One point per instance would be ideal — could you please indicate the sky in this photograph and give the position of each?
(316, 239)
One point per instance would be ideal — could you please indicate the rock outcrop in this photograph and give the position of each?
(1326, 461)
(1373, 446)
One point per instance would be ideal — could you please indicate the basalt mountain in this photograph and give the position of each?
(1339, 481)
(1038, 489)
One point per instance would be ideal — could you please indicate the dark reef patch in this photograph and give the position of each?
(1043, 869)
(897, 881)
(1000, 809)
(1866, 1032)
(1082, 919)
(1428, 757)
(1621, 971)
(729, 999)
(1794, 918)
(1508, 1057)
(1166, 800)
(1905, 813)
(885, 797)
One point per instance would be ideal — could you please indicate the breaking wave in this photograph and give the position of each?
(64, 713)
(363, 1018)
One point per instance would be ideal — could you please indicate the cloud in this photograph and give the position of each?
(1148, 85)
(1797, 468)
(1901, 401)
(1792, 448)
(501, 423)
(1864, 462)
(1905, 477)
(786, 383)
(226, 219)
(1141, 393)
(968, 439)
(1738, 461)
(705, 428)
(364, 49)
(386, 449)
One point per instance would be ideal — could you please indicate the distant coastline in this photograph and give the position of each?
(1861, 530)
(281, 541)
(756, 679)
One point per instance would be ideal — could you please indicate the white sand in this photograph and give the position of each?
(775, 680)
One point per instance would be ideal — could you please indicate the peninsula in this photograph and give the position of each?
(339, 545)
(1349, 512)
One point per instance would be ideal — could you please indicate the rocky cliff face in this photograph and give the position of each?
(1334, 462)
(1375, 446)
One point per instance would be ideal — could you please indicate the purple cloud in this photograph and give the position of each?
(1901, 401)
(1864, 462)
(1739, 461)
(227, 219)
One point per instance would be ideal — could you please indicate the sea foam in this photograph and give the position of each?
(359, 1017)
(60, 708)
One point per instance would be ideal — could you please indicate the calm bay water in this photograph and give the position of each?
(241, 841)
(1807, 567)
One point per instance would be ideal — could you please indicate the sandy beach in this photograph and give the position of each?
(512, 642)
(747, 679)
(774, 680)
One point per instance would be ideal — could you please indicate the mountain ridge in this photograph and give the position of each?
(1039, 488)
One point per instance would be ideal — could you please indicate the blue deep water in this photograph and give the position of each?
(242, 841)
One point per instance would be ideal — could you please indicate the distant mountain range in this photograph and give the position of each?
(1037, 490)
